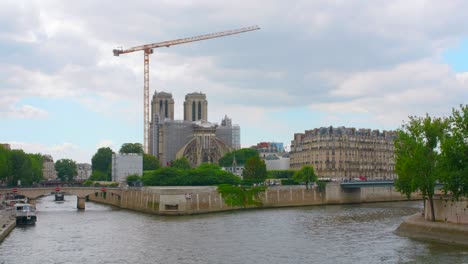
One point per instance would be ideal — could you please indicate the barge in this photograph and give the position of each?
(25, 214)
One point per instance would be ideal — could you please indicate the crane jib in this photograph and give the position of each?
(169, 43)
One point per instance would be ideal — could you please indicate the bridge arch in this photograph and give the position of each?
(81, 192)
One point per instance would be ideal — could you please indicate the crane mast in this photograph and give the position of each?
(148, 49)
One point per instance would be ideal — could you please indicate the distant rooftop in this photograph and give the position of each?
(348, 131)
(196, 95)
(162, 94)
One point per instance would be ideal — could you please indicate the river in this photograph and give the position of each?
(315, 234)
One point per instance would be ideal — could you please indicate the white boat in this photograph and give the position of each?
(25, 214)
(12, 198)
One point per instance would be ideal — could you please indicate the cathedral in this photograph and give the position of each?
(194, 137)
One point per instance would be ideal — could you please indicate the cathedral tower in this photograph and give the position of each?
(162, 104)
(195, 107)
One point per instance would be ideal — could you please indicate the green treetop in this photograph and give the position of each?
(5, 164)
(454, 154)
(181, 163)
(131, 148)
(150, 162)
(66, 169)
(101, 164)
(242, 155)
(16, 165)
(306, 174)
(255, 169)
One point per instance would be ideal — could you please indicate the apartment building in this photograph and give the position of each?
(345, 153)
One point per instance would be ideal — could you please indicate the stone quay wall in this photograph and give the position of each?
(7, 223)
(204, 199)
(416, 226)
(451, 223)
(448, 211)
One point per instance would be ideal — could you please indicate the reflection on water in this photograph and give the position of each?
(316, 234)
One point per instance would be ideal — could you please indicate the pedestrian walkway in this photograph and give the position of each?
(7, 223)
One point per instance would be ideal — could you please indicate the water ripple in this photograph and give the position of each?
(320, 234)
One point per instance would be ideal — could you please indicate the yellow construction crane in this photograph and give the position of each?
(148, 49)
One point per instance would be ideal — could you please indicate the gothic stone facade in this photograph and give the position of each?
(193, 138)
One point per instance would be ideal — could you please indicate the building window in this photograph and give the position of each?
(193, 111)
(165, 110)
(199, 111)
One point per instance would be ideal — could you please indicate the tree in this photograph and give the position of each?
(241, 196)
(17, 166)
(21, 168)
(164, 176)
(102, 161)
(133, 177)
(416, 157)
(280, 174)
(205, 174)
(321, 186)
(306, 174)
(242, 155)
(37, 167)
(150, 162)
(131, 148)
(454, 154)
(5, 164)
(98, 175)
(66, 169)
(181, 163)
(255, 169)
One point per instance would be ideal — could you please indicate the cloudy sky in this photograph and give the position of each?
(366, 64)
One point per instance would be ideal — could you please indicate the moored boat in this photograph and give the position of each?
(12, 198)
(25, 214)
(59, 196)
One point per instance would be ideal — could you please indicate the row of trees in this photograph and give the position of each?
(241, 156)
(16, 166)
(255, 168)
(244, 196)
(178, 174)
(431, 150)
(101, 162)
(20, 168)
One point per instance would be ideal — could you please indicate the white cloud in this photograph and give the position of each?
(106, 143)
(9, 108)
(381, 59)
(60, 151)
(390, 96)
(27, 111)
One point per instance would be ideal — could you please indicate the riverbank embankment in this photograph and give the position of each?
(7, 224)
(416, 226)
(185, 200)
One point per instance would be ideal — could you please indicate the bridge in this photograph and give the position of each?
(81, 193)
(359, 184)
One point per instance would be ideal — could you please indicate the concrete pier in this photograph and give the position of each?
(80, 203)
